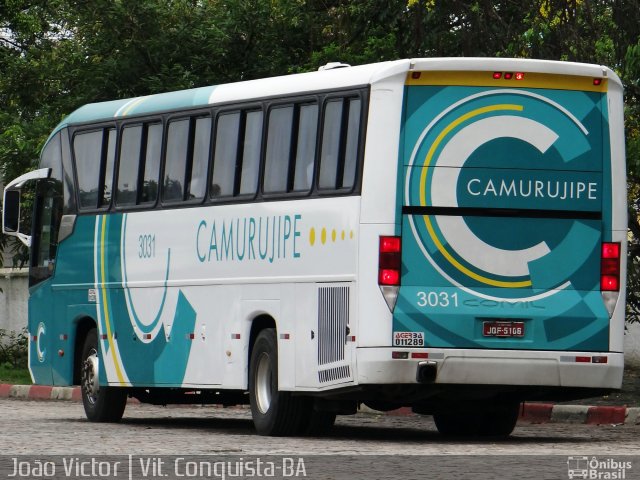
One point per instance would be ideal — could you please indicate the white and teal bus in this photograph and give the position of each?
(442, 234)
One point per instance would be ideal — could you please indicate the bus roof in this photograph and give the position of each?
(333, 78)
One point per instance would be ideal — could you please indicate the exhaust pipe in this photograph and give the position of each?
(427, 372)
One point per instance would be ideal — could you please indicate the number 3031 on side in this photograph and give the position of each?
(437, 299)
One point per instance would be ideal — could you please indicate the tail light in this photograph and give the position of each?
(610, 267)
(389, 268)
(610, 274)
(389, 261)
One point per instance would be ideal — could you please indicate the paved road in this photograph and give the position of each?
(32, 428)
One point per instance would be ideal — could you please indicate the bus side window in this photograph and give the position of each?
(306, 148)
(330, 152)
(224, 160)
(87, 148)
(340, 138)
(106, 168)
(46, 224)
(351, 147)
(129, 165)
(176, 161)
(278, 153)
(151, 165)
(251, 152)
(197, 184)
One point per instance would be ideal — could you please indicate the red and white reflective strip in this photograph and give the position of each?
(235, 336)
(402, 355)
(285, 336)
(610, 267)
(584, 359)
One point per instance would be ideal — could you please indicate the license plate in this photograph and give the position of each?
(408, 339)
(503, 329)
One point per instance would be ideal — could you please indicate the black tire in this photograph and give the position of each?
(483, 421)
(274, 413)
(101, 404)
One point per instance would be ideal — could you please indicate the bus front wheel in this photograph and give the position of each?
(274, 412)
(101, 404)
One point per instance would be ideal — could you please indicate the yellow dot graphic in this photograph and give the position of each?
(312, 236)
(333, 235)
(342, 235)
(351, 234)
(323, 236)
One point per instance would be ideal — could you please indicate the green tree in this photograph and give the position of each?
(56, 55)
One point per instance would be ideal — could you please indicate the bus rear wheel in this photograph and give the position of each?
(482, 421)
(274, 412)
(101, 404)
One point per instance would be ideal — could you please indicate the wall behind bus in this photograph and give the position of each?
(632, 345)
(14, 284)
(15, 293)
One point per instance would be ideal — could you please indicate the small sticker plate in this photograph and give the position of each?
(408, 339)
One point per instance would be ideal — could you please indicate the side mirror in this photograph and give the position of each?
(11, 212)
(11, 204)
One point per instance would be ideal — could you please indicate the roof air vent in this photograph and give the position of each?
(333, 65)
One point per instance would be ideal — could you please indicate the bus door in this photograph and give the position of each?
(46, 223)
(506, 204)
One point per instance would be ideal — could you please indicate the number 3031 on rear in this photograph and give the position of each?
(437, 299)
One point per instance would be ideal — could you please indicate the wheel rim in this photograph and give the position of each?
(90, 384)
(263, 383)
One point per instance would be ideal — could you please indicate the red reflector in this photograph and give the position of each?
(419, 355)
(387, 276)
(390, 244)
(235, 336)
(497, 75)
(583, 359)
(390, 260)
(519, 76)
(416, 75)
(147, 336)
(285, 336)
(609, 266)
(35, 338)
(508, 76)
(609, 283)
(610, 250)
(597, 81)
(104, 336)
(599, 359)
(400, 355)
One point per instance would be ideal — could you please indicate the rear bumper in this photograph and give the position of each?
(492, 367)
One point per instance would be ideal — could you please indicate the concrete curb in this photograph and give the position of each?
(552, 413)
(530, 413)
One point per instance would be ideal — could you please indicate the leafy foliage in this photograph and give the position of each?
(14, 348)
(56, 55)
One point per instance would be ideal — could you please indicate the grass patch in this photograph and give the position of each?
(16, 376)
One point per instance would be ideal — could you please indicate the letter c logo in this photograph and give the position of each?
(42, 330)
